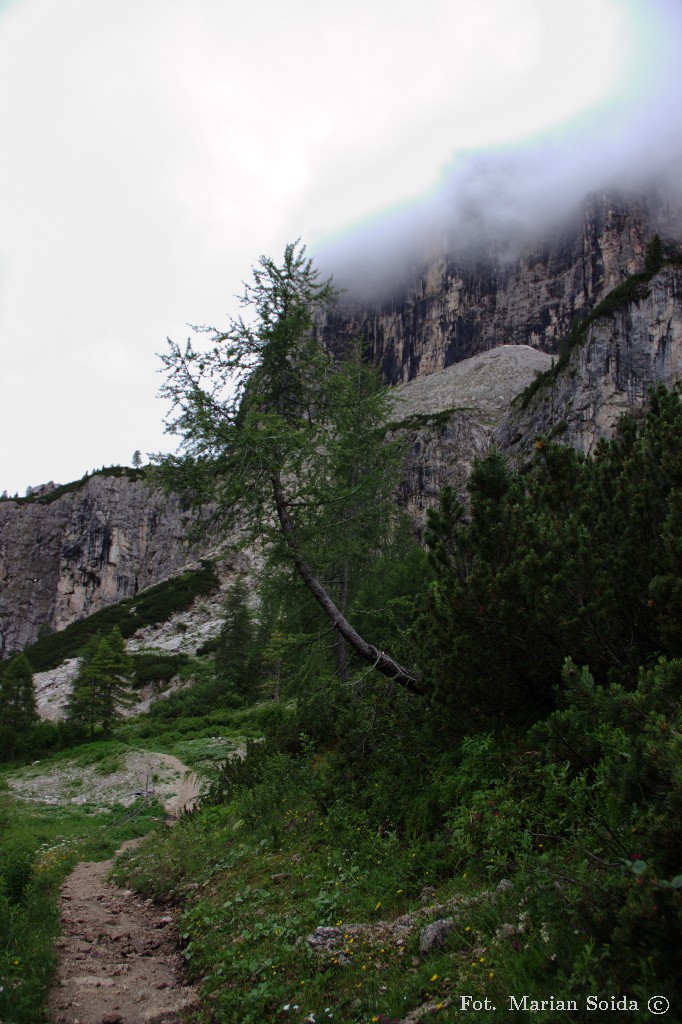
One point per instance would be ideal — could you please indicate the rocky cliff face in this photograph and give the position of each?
(462, 338)
(622, 355)
(65, 558)
(507, 293)
(449, 418)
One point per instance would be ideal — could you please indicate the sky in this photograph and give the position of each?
(152, 150)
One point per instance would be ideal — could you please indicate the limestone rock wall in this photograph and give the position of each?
(622, 355)
(439, 453)
(86, 549)
(449, 419)
(459, 304)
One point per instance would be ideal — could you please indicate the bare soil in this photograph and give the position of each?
(120, 782)
(119, 960)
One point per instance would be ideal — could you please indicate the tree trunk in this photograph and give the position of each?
(341, 659)
(381, 661)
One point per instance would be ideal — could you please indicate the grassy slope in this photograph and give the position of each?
(252, 894)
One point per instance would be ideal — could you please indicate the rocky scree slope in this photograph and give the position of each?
(183, 632)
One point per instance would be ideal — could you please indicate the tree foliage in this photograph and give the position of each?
(573, 556)
(102, 688)
(17, 695)
(283, 439)
(235, 653)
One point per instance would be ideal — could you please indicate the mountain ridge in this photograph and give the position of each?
(462, 343)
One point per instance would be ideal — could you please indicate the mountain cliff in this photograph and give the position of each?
(504, 291)
(607, 371)
(67, 552)
(501, 343)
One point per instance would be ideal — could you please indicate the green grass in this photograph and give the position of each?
(39, 845)
(252, 895)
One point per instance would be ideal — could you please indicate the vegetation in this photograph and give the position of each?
(34, 497)
(39, 846)
(573, 556)
(418, 420)
(156, 667)
(525, 793)
(275, 430)
(101, 690)
(235, 656)
(531, 799)
(17, 698)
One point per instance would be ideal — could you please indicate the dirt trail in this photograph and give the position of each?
(118, 954)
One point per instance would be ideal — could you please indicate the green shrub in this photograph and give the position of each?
(157, 668)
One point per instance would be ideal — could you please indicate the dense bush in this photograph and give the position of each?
(156, 667)
(38, 739)
(571, 557)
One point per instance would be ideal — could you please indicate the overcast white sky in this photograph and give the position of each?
(151, 150)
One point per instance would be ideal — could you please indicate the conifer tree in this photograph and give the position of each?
(573, 556)
(281, 435)
(17, 694)
(102, 687)
(235, 646)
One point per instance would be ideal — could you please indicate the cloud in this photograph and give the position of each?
(152, 151)
(631, 142)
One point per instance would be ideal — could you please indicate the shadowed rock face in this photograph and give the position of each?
(448, 419)
(623, 354)
(508, 293)
(89, 548)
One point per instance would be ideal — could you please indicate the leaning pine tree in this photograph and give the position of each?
(279, 435)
